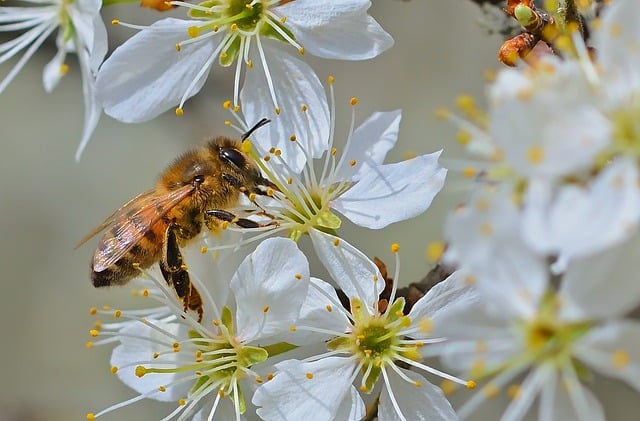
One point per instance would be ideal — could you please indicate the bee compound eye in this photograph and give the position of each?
(233, 156)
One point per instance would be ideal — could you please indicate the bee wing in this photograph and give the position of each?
(131, 222)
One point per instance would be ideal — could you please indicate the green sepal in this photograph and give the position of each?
(372, 378)
(395, 311)
(358, 310)
(231, 53)
(328, 219)
(199, 14)
(242, 404)
(279, 348)
(339, 343)
(270, 32)
(202, 381)
(227, 319)
(251, 355)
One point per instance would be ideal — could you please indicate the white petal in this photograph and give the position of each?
(370, 143)
(138, 348)
(417, 403)
(319, 311)
(291, 395)
(92, 108)
(83, 14)
(394, 192)
(617, 38)
(52, 71)
(336, 29)
(485, 236)
(100, 44)
(146, 76)
(456, 290)
(573, 221)
(603, 285)
(536, 381)
(270, 286)
(354, 273)
(613, 350)
(295, 84)
(352, 407)
(475, 335)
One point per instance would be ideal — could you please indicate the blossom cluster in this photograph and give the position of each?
(540, 256)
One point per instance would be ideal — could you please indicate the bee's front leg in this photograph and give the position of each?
(175, 273)
(232, 218)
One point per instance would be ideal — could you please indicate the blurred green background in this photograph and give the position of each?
(48, 201)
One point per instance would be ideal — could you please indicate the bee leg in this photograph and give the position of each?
(235, 219)
(175, 273)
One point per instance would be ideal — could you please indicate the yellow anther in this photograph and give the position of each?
(277, 109)
(221, 393)
(64, 69)
(227, 105)
(336, 242)
(331, 79)
(162, 389)
(283, 19)
(463, 137)
(395, 247)
(93, 311)
(136, 265)
(353, 163)
(375, 278)
(514, 391)
(179, 112)
(304, 108)
(178, 47)
(293, 328)
(89, 344)
(448, 387)
(204, 249)
(250, 64)
(535, 155)
(94, 332)
(298, 276)
(266, 158)
(363, 388)
(466, 103)
(182, 402)
(97, 325)
(486, 229)
(198, 373)
(399, 313)
(367, 352)
(91, 416)
(140, 371)
(471, 384)
(329, 308)
(620, 359)
(115, 21)
(265, 309)
(156, 355)
(469, 172)
(176, 345)
(442, 113)
(405, 321)
(278, 152)
(233, 27)
(309, 376)
(184, 267)
(290, 180)
(106, 308)
(215, 322)
(193, 31)
(270, 376)
(114, 369)
(435, 250)
(491, 391)
(259, 380)
(249, 6)
(417, 384)
(223, 55)
(301, 50)
(425, 325)
(353, 101)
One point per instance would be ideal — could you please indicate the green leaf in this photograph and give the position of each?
(227, 319)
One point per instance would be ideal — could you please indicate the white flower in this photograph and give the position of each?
(528, 321)
(80, 31)
(165, 354)
(370, 342)
(146, 75)
(355, 184)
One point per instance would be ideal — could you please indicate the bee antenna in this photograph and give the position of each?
(255, 127)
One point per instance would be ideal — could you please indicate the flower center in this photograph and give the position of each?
(220, 362)
(626, 129)
(376, 340)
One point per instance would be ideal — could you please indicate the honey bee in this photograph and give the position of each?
(194, 190)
